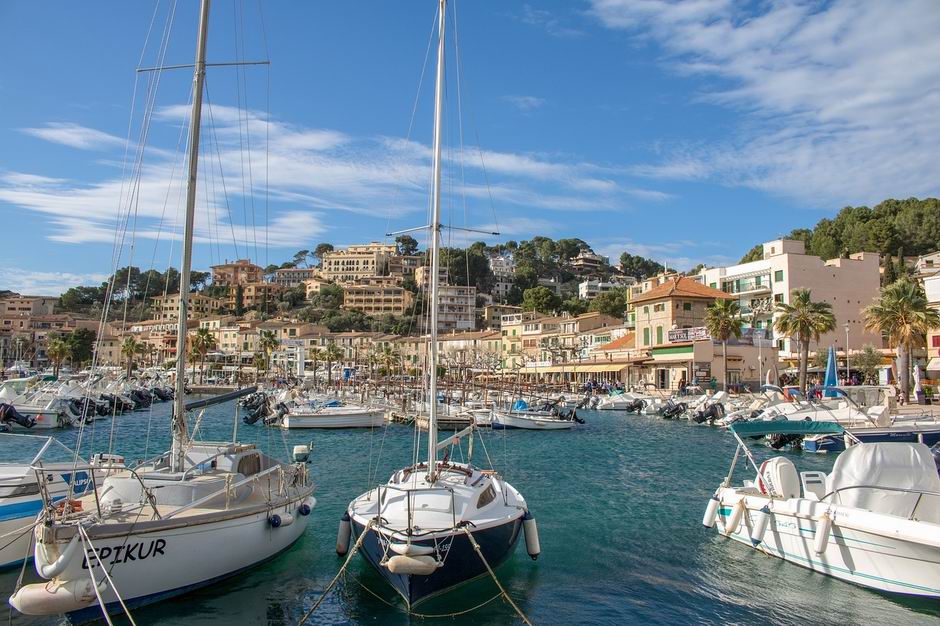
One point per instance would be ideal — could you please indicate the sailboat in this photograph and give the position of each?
(437, 524)
(194, 515)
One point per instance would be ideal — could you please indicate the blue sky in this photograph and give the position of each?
(685, 131)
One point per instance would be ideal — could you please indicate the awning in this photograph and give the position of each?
(592, 368)
(933, 365)
(786, 427)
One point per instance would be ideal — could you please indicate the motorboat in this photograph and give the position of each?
(874, 520)
(326, 415)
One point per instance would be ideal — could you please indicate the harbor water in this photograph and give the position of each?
(618, 500)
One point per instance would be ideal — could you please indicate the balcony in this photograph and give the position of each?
(747, 285)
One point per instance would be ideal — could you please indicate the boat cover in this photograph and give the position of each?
(758, 428)
(895, 465)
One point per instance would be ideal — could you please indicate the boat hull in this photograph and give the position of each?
(868, 559)
(461, 562)
(359, 419)
(832, 443)
(503, 421)
(150, 566)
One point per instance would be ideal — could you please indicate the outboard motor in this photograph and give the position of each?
(709, 414)
(779, 440)
(635, 406)
(8, 414)
(674, 409)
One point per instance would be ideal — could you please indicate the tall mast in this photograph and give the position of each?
(436, 241)
(180, 432)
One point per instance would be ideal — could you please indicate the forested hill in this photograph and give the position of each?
(893, 228)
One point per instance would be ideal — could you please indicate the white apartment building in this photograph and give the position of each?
(590, 289)
(293, 276)
(355, 262)
(456, 308)
(849, 285)
(932, 288)
(503, 266)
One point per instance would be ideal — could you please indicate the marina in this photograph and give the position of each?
(465, 421)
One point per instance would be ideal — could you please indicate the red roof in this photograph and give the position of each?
(624, 343)
(681, 287)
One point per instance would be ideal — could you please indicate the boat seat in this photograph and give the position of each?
(778, 478)
(814, 484)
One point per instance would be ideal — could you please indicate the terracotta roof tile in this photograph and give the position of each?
(624, 343)
(681, 287)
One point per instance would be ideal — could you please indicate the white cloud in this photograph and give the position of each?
(838, 99)
(525, 103)
(75, 136)
(549, 22)
(32, 283)
(680, 255)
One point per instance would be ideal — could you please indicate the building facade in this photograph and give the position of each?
(237, 272)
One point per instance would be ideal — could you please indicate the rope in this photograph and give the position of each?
(87, 540)
(423, 615)
(509, 599)
(329, 587)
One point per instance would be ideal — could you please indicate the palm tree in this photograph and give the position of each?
(723, 321)
(316, 355)
(803, 319)
(130, 348)
(268, 343)
(389, 358)
(203, 343)
(57, 350)
(903, 315)
(259, 363)
(330, 354)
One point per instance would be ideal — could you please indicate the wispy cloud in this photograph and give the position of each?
(830, 114)
(310, 172)
(526, 104)
(679, 255)
(45, 283)
(549, 22)
(75, 136)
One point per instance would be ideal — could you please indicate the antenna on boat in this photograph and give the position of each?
(180, 432)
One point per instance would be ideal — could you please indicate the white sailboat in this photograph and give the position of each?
(437, 524)
(194, 515)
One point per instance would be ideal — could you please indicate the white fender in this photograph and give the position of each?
(50, 570)
(343, 535)
(711, 512)
(54, 597)
(737, 513)
(761, 519)
(411, 549)
(532, 545)
(823, 529)
(420, 565)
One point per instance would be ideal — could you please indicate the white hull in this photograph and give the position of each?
(864, 548)
(45, 418)
(335, 419)
(150, 566)
(529, 422)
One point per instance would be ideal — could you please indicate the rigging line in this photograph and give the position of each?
(241, 142)
(228, 207)
(116, 251)
(251, 183)
(414, 111)
(267, 130)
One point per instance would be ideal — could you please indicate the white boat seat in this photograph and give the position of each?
(814, 485)
(888, 478)
(778, 478)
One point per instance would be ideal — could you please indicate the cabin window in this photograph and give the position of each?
(488, 495)
(249, 465)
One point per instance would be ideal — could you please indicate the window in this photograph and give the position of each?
(659, 308)
(935, 341)
(778, 276)
(488, 495)
(659, 335)
(780, 344)
(646, 336)
(778, 297)
(686, 306)
(757, 280)
(646, 310)
(758, 324)
(713, 285)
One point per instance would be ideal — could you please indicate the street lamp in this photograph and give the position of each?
(848, 373)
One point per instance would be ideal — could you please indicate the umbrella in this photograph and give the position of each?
(832, 379)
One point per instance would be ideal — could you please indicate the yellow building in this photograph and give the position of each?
(168, 307)
(237, 272)
(355, 262)
(377, 296)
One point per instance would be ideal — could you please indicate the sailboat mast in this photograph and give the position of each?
(180, 432)
(436, 241)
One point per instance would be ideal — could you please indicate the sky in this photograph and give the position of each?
(682, 131)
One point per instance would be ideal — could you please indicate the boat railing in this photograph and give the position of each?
(410, 492)
(918, 492)
(226, 491)
(92, 468)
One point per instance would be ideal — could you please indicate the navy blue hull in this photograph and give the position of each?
(837, 443)
(461, 564)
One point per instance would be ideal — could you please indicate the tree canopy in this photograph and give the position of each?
(639, 267)
(540, 299)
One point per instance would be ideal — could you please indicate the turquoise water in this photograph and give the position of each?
(619, 503)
